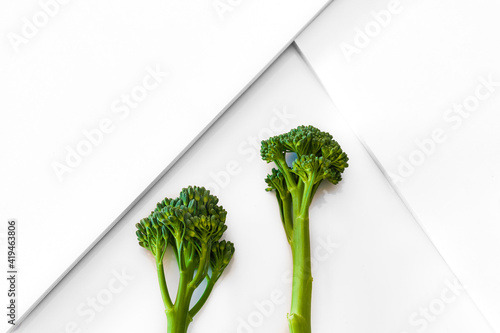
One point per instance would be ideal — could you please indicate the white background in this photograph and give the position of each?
(422, 68)
(385, 252)
(74, 70)
(376, 270)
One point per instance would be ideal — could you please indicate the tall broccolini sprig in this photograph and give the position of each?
(319, 158)
(192, 225)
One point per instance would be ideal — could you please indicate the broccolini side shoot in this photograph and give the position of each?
(319, 158)
(192, 226)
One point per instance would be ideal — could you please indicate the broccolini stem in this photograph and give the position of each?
(179, 319)
(288, 218)
(300, 189)
(175, 324)
(290, 182)
(201, 273)
(299, 318)
(307, 196)
(163, 285)
(204, 297)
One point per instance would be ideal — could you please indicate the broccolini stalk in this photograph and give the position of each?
(319, 157)
(192, 225)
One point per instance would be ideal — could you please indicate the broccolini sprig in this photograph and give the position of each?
(318, 158)
(192, 225)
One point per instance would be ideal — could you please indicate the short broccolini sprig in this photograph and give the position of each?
(192, 225)
(319, 158)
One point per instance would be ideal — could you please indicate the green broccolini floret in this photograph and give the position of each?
(319, 157)
(192, 225)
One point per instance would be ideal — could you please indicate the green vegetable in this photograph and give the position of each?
(192, 225)
(319, 158)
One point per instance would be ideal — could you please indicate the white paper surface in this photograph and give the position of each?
(98, 98)
(420, 84)
(374, 269)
